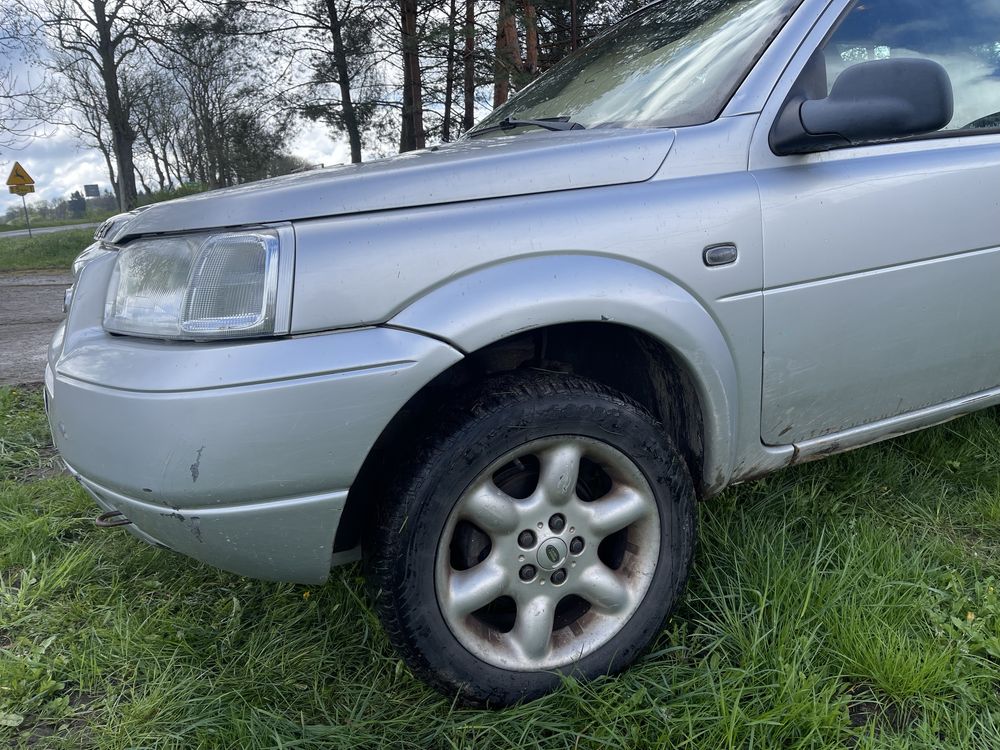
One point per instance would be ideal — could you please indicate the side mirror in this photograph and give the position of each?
(875, 101)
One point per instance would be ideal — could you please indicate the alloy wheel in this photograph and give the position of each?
(548, 553)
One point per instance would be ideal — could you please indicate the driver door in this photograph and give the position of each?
(882, 262)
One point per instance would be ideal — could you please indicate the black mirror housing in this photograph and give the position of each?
(871, 102)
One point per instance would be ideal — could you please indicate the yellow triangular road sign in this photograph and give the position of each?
(19, 176)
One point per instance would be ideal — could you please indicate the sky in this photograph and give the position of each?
(60, 165)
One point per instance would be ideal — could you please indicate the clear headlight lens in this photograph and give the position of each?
(198, 287)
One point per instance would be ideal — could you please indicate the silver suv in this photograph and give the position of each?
(724, 238)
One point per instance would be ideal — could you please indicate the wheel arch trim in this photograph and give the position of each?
(493, 303)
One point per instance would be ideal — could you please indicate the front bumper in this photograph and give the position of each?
(282, 540)
(240, 455)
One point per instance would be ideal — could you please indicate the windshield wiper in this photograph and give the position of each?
(547, 123)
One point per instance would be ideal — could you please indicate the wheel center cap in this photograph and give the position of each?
(551, 553)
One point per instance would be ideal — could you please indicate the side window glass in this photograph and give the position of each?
(961, 35)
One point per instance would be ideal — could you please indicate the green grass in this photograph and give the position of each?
(44, 251)
(849, 603)
(38, 223)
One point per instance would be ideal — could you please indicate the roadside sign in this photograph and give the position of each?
(91, 191)
(19, 176)
(21, 183)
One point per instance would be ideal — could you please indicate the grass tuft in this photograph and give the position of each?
(25, 446)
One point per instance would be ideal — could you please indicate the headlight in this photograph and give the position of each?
(213, 286)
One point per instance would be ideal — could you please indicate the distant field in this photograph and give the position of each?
(851, 603)
(55, 250)
(37, 223)
(94, 216)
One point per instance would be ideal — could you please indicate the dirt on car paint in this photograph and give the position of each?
(30, 309)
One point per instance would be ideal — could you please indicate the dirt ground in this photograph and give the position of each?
(30, 309)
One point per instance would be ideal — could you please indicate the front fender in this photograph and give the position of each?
(493, 303)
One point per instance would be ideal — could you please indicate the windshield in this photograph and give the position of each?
(672, 64)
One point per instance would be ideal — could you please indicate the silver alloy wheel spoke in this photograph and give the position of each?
(544, 548)
(560, 468)
(472, 589)
(532, 633)
(618, 509)
(490, 508)
(599, 585)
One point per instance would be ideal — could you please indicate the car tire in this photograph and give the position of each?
(495, 561)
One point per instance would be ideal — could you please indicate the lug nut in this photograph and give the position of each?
(527, 572)
(576, 546)
(558, 577)
(557, 523)
(526, 539)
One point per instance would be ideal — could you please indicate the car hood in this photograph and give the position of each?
(466, 170)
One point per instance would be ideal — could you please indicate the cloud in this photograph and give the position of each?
(313, 143)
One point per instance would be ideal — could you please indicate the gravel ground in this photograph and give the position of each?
(30, 310)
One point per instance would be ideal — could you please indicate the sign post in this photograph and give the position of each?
(21, 183)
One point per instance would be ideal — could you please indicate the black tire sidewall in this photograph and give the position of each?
(452, 463)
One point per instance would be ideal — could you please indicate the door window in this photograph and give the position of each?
(961, 35)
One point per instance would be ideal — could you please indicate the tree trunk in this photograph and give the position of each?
(530, 37)
(122, 135)
(469, 66)
(145, 186)
(344, 81)
(111, 171)
(449, 82)
(508, 55)
(574, 34)
(412, 131)
(179, 166)
(200, 154)
(161, 179)
(166, 166)
(222, 146)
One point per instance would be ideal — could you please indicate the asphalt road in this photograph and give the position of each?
(30, 309)
(46, 230)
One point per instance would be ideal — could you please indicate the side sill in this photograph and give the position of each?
(886, 429)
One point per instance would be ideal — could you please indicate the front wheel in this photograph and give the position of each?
(546, 526)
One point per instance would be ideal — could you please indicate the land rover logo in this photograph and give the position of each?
(552, 553)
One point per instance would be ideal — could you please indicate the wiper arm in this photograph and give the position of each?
(547, 123)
